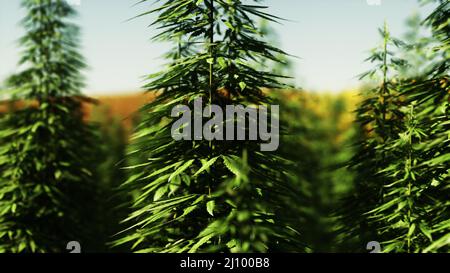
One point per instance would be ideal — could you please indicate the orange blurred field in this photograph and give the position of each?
(122, 107)
(125, 107)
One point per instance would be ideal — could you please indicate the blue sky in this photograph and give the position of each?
(331, 37)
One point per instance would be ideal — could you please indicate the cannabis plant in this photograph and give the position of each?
(431, 94)
(414, 209)
(46, 148)
(406, 208)
(208, 195)
(379, 119)
(417, 50)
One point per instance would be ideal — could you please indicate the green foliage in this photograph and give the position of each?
(46, 184)
(317, 143)
(432, 96)
(379, 119)
(111, 206)
(200, 196)
(403, 167)
(283, 66)
(60, 183)
(418, 49)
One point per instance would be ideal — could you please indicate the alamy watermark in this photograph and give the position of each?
(74, 247)
(239, 122)
(374, 246)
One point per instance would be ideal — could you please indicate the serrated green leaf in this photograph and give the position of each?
(206, 166)
(181, 169)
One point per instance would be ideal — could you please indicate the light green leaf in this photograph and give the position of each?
(201, 242)
(206, 166)
(210, 207)
(58, 174)
(243, 85)
(231, 165)
(426, 231)
(160, 193)
(181, 169)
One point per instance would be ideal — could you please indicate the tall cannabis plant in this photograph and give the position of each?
(379, 118)
(414, 211)
(46, 148)
(431, 95)
(409, 207)
(208, 195)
